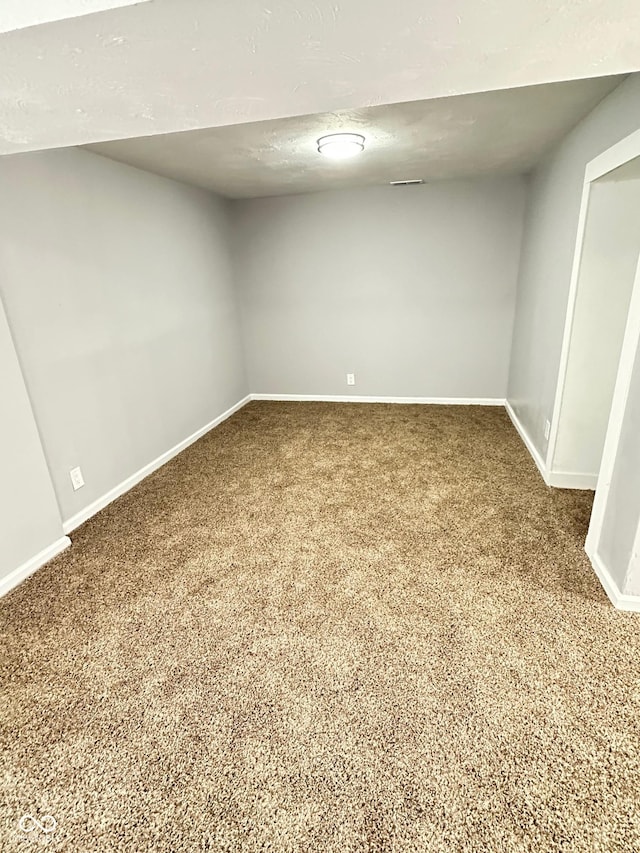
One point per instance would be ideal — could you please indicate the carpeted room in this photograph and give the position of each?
(282, 563)
(328, 627)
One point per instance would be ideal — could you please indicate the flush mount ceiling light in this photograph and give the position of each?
(341, 146)
(411, 182)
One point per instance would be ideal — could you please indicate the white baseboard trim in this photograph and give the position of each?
(16, 577)
(557, 479)
(524, 435)
(433, 401)
(80, 517)
(569, 480)
(617, 598)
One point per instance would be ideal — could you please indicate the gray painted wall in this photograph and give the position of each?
(551, 223)
(29, 514)
(118, 290)
(412, 289)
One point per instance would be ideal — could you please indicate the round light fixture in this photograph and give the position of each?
(341, 146)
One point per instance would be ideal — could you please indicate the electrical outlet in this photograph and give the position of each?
(77, 480)
(351, 379)
(547, 429)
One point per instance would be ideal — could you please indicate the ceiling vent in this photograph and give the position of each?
(413, 183)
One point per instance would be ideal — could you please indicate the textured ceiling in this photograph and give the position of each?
(170, 65)
(17, 14)
(489, 133)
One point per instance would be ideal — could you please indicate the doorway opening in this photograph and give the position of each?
(597, 406)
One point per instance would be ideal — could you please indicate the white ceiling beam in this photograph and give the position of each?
(18, 14)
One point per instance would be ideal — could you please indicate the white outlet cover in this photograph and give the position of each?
(351, 379)
(547, 429)
(77, 480)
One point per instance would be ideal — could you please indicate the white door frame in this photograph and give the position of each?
(619, 154)
(624, 151)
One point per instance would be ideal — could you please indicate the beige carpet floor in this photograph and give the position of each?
(326, 627)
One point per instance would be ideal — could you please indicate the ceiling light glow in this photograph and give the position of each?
(341, 146)
(409, 182)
